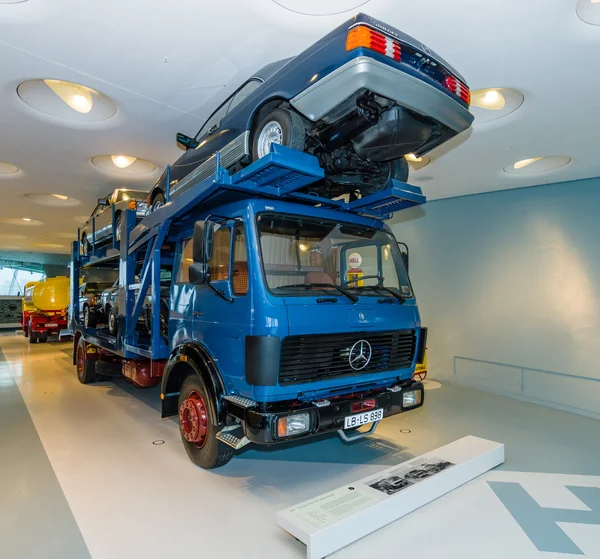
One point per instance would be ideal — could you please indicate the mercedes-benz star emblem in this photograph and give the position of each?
(360, 355)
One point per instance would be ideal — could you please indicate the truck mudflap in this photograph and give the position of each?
(285, 421)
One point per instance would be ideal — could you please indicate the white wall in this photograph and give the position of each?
(509, 285)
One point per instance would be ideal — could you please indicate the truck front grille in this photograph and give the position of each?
(324, 356)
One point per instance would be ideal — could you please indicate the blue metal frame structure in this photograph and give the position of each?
(279, 175)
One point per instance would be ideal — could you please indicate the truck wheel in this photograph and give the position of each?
(198, 434)
(32, 338)
(86, 368)
(118, 228)
(43, 339)
(113, 326)
(280, 126)
(158, 202)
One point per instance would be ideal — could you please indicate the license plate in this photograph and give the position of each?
(51, 325)
(359, 419)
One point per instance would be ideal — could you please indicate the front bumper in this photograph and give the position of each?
(365, 72)
(259, 422)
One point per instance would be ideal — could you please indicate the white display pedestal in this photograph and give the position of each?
(337, 518)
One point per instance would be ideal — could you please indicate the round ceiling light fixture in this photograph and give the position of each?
(67, 100)
(536, 165)
(123, 164)
(494, 103)
(8, 168)
(10, 237)
(49, 245)
(589, 11)
(320, 8)
(20, 221)
(51, 199)
(417, 163)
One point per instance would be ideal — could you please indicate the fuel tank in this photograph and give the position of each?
(51, 294)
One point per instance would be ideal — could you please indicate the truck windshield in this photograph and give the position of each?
(301, 254)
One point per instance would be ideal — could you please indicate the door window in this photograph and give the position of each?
(240, 261)
(183, 274)
(221, 253)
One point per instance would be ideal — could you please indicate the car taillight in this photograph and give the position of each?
(458, 88)
(363, 36)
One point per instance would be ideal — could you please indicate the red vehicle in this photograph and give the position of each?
(45, 306)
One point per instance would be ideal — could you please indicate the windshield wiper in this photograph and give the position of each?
(307, 286)
(397, 296)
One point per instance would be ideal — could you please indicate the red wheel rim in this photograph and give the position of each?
(193, 419)
(80, 360)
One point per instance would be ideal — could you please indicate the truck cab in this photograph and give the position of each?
(305, 315)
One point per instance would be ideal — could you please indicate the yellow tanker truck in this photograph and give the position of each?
(45, 305)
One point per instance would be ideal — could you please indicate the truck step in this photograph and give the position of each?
(240, 401)
(233, 436)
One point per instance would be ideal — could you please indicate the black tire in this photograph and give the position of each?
(399, 169)
(88, 321)
(33, 338)
(118, 227)
(158, 201)
(164, 320)
(43, 339)
(292, 128)
(113, 323)
(85, 244)
(86, 368)
(212, 453)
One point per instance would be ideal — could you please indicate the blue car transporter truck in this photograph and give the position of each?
(289, 315)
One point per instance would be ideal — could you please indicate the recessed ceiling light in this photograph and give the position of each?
(68, 100)
(494, 103)
(78, 97)
(8, 168)
(11, 237)
(51, 199)
(49, 245)
(589, 11)
(123, 164)
(20, 221)
(122, 161)
(417, 163)
(536, 165)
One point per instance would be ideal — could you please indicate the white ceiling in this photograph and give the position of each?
(167, 64)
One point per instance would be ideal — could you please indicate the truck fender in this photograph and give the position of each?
(186, 357)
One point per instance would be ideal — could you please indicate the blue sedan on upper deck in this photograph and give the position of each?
(359, 99)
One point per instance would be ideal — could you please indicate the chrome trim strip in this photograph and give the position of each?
(233, 152)
(364, 72)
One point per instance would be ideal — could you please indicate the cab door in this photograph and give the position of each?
(222, 308)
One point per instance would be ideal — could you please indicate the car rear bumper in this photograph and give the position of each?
(365, 72)
(260, 423)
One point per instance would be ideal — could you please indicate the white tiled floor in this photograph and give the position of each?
(132, 498)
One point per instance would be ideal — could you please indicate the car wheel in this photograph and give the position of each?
(89, 318)
(158, 201)
(280, 126)
(112, 322)
(118, 228)
(85, 244)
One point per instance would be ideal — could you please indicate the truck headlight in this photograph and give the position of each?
(291, 425)
(411, 398)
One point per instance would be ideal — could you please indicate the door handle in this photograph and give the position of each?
(213, 129)
(197, 314)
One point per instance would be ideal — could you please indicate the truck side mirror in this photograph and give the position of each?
(209, 236)
(102, 202)
(185, 142)
(198, 242)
